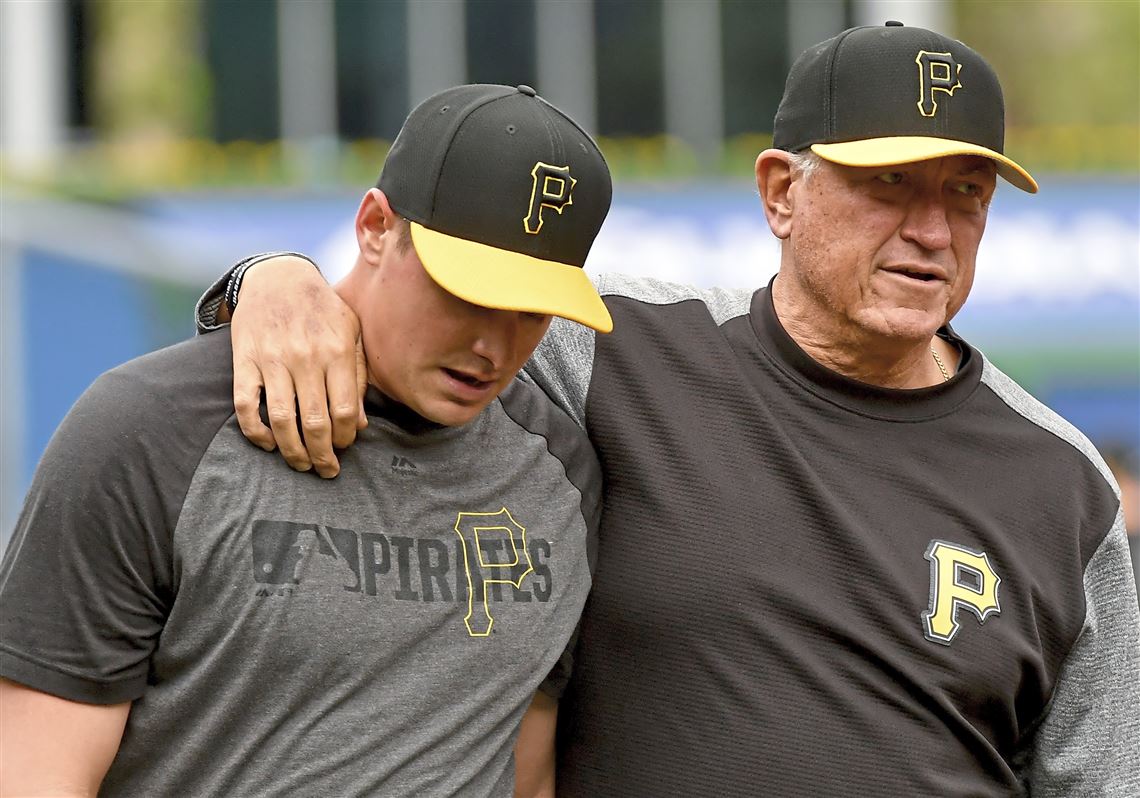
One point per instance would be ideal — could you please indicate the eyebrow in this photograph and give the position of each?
(978, 163)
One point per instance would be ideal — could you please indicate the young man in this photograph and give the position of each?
(185, 616)
(841, 553)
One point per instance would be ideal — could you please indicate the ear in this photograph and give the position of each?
(374, 218)
(777, 190)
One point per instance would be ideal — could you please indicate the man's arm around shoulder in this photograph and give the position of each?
(52, 746)
(297, 341)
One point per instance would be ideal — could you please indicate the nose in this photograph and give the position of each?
(926, 224)
(497, 335)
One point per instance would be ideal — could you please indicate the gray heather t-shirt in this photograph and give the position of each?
(379, 634)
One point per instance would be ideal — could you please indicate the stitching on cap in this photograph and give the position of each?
(551, 109)
(832, 58)
(555, 136)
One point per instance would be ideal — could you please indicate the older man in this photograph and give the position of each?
(841, 553)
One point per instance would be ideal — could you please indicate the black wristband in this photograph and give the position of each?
(233, 285)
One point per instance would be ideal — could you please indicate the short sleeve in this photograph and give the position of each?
(87, 580)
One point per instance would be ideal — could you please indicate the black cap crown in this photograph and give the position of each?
(904, 94)
(505, 192)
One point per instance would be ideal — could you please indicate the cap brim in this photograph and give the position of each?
(499, 278)
(894, 150)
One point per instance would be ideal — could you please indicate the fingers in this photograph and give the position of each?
(316, 426)
(300, 335)
(344, 398)
(281, 407)
(361, 384)
(247, 403)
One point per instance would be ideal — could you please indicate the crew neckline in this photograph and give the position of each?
(377, 403)
(902, 404)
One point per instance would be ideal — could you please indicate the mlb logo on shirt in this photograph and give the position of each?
(288, 553)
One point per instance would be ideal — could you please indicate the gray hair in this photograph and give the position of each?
(804, 163)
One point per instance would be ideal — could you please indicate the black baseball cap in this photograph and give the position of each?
(505, 195)
(881, 96)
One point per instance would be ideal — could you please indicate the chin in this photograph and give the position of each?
(451, 415)
(909, 323)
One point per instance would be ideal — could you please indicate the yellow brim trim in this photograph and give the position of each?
(499, 278)
(894, 150)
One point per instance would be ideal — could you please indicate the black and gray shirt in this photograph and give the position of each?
(378, 634)
(810, 586)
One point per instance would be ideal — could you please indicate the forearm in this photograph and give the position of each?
(534, 750)
(296, 346)
(213, 307)
(52, 746)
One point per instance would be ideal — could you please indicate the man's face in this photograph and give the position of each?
(890, 250)
(439, 355)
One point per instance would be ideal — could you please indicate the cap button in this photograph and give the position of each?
(527, 90)
(894, 23)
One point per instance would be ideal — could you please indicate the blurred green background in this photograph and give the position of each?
(158, 94)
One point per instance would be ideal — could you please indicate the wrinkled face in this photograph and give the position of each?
(890, 251)
(439, 355)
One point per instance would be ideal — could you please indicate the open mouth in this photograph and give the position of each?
(467, 379)
(923, 276)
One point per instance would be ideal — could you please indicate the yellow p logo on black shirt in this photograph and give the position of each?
(960, 578)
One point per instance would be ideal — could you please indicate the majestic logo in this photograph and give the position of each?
(960, 579)
(402, 465)
(551, 187)
(936, 72)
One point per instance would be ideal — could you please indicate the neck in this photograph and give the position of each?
(349, 289)
(880, 360)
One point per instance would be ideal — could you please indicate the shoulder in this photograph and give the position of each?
(1059, 466)
(1036, 413)
(202, 363)
(646, 311)
(722, 303)
(528, 406)
(535, 414)
(171, 401)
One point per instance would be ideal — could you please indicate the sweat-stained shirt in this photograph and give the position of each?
(380, 634)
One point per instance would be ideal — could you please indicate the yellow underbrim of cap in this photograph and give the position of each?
(499, 278)
(894, 150)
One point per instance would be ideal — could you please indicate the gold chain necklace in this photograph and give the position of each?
(941, 366)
